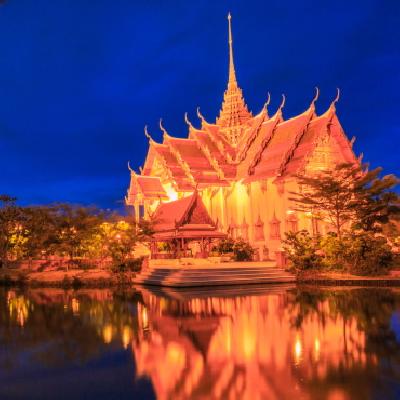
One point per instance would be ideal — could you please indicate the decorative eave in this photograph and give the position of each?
(289, 153)
(260, 119)
(275, 120)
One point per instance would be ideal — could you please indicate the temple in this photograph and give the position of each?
(242, 168)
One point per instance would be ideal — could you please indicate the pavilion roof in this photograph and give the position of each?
(186, 217)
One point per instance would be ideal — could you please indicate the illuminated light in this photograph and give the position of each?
(317, 348)
(171, 193)
(126, 336)
(107, 333)
(289, 212)
(175, 356)
(75, 306)
(298, 349)
(145, 318)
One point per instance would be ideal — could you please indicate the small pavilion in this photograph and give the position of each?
(185, 226)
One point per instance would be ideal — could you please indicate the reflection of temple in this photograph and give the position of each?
(243, 347)
(243, 165)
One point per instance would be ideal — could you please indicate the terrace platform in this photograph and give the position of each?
(209, 274)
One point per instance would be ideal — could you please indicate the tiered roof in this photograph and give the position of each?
(240, 146)
(145, 187)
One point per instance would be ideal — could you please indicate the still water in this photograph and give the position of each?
(242, 343)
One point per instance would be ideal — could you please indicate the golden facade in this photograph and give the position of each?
(243, 166)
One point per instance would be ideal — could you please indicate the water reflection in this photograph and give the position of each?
(258, 343)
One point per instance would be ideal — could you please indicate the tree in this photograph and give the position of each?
(41, 231)
(10, 227)
(375, 203)
(73, 225)
(348, 195)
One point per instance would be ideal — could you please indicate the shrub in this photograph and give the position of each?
(6, 280)
(367, 254)
(242, 251)
(132, 265)
(302, 250)
(76, 282)
(66, 282)
(226, 246)
(22, 279)
(333, 252)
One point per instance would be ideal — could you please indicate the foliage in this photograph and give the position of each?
(358, 204)
(242, 251)
(67, 231)
(11, 231)
(226, 246)
(163, 246)
(367, 254)
(131, 265)
(360, 253)
(348, 194)
(302, 250)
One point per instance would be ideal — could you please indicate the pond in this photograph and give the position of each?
(254, 342)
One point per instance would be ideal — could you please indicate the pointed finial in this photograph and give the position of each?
(316, 95)
(332, 107)
(283, 102)
(130, 169)
(187, 121)
(266, 104)
(232, 73)
(163, 129)
(337, 96)
(199, 114)
(146, 133)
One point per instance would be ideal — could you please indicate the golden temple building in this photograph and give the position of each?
(243, 166)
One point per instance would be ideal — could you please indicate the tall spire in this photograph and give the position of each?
(234, 113)
(232, 73)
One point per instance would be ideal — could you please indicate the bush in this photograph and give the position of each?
(76, 282)
(360, 253)
(66, 282)
(242, 251)
(84, 265)
(367, 254)
(333, 252)
(22, 279)
(132, 265)
(6, 280)
(226, 246)
(302, 250)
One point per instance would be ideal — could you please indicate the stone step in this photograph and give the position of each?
(213, 271)
(213, 274)
(188, 284)
(214, 282)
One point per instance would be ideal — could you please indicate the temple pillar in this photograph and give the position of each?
(137, 216)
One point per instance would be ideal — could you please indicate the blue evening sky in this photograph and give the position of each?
(80, 78)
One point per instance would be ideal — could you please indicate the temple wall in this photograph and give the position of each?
(259, 212)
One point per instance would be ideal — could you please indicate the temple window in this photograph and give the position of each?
(292, 224)
(259, 230)
(275, 228)
(232, 229)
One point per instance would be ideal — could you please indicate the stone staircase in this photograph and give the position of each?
(213, 276)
